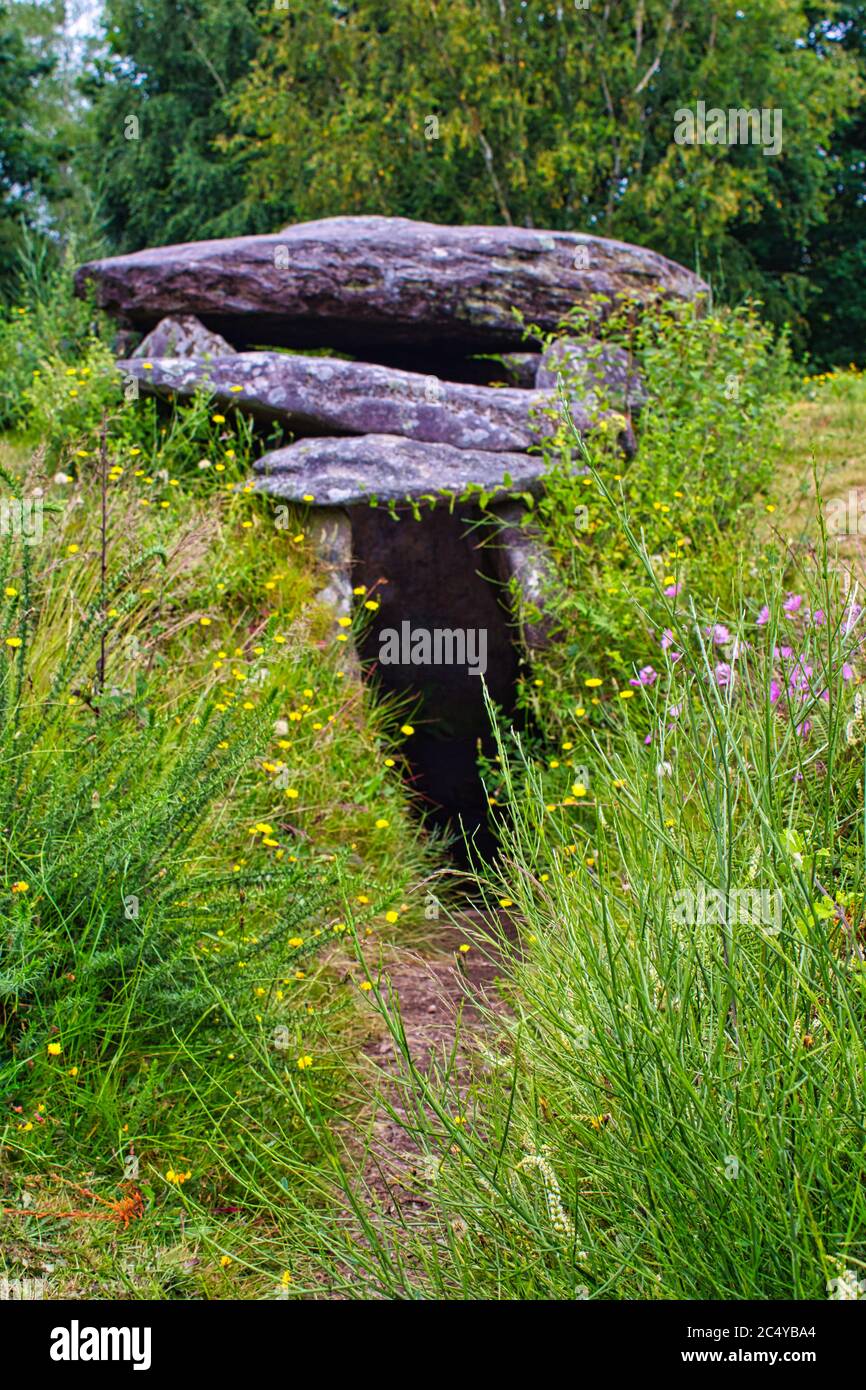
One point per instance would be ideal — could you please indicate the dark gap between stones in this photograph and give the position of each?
(439, 576)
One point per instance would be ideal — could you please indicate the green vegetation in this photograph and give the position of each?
(188, 121)
(210, 871)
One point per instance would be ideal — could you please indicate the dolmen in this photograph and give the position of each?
(392, 353)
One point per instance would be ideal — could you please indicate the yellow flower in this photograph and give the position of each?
(177, 1177)
(358, 590)
(204, 622)
(296, 941)
(72, 550)
(20, 887)
(218, 419)
(579, 789)
(392, 916)
(366, 986)
(292, 793)
(407, 729)
(626, 694)
(345, 622)
(304, 1062)
(593, 682)
(285, 1278)
(371, 604)
(13, 641)
(225, 1261)
(54, 1049)
(464, 949)
(381, 824)
(11, 593)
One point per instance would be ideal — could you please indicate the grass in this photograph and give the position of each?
(166, 972)
(211, 868)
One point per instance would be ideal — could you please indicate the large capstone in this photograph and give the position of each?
(363, 283)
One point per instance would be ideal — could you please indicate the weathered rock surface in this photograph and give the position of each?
(353, 282)
(182, 335)
(592, 371)
(340, 472)
(324, 395)
(522, 563)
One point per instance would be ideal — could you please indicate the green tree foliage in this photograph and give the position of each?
(27, 152)
(552, 115)
(536, 112)
(156, 99)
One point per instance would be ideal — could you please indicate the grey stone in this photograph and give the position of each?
(345, 471)
(325, 395)
(360, 282)
(523, 565)
(592, 372)
(182, 335)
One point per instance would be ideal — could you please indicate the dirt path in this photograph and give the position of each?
(442, 999)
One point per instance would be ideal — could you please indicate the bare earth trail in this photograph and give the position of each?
(442, 1000)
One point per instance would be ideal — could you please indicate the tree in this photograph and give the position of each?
(157, 89)
(552, 115)
(28, 150)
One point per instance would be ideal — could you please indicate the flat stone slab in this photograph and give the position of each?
(325, 395)
(356, 282)
(344, 472)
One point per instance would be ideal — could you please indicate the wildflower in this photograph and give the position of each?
(392, 916)
(464, 948)
(366, 986)
(204, 622)
(218, 419)
(592, 682)
(407, 729)
(645, 676)
(304, 1062)
(381, 824)
(626, 694)
(13, 641)
(72, 550)
(792, 604)
(372, 605)
(673, 590)
(225, 1261)
(54, 1049)
(177, 1178)
(719, 634)
(724, 675)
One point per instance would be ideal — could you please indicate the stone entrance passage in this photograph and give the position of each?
(439, 579)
